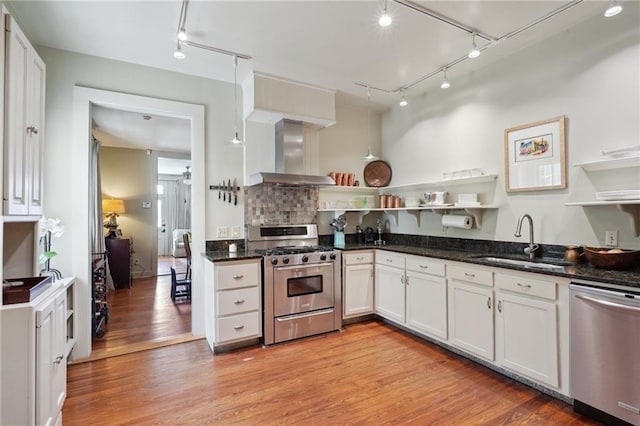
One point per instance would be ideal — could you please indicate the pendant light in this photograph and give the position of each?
(236, 140)
(385, 19)
(474, 52)
(403, 101)
(613, 9)
(182, 35)
(369, 156)
(445, 83)
(178, 53)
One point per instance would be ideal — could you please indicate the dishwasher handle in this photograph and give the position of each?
(608, 303)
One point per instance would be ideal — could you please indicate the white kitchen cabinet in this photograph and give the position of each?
(390, 286)
(471, 310)
(527, 326)
(357, 285)
(426, 297)
(34, 358)
(24, 124)
(233, 308)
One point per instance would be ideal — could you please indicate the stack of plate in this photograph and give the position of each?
(467, 200)
(629, 194)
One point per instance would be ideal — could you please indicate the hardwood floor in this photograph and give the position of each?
(142, 314)
(369, 373)
(178, 263)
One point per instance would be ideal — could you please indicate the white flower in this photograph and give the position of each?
(51, 225)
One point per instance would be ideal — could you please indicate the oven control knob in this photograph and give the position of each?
(285, 260)
(274, 261)
(305, 258)
(323, 257)
(332, 256)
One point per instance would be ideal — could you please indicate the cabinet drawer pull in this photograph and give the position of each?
(238, 277)
(58, 359)
(238, 301)
(524, 285)
(424, 266)
(499, 305)
(238, 327)
(31, 130)
(489, 302)
(468, 275)
(360, 258)
(389, 260)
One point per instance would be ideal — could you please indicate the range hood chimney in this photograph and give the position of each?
(289, 164)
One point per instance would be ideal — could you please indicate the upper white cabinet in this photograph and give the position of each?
(24, 124)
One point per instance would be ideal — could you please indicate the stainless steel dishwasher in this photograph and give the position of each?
(605, 352)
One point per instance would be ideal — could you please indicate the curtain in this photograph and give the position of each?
(95, 197)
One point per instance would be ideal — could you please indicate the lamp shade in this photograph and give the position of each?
(112, 206)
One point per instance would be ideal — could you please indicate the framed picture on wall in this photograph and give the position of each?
(534, 156)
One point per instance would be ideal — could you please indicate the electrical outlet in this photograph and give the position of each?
(223, 232)
(235, 232)
(611, 238)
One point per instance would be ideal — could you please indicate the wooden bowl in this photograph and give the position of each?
(608, 258)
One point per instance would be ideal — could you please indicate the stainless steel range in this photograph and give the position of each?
(302, 282)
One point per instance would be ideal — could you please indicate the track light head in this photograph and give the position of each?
(613, 9)
(178, 53)
(385, 19)
(236, 140)
(474, 52)
(445, 83)
(403, 101)
(182, 34)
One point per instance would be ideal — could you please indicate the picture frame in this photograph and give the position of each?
(535, 156)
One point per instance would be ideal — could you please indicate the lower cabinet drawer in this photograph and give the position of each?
(525, 285)
(425, 265)
(471, 275)
(237, 274)
(231, 302)
(238, 327)
(357, 258)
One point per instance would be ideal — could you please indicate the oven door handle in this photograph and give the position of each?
(608, 304)
(310, 314)
(304, 266)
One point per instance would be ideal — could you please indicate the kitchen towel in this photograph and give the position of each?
(457, 221)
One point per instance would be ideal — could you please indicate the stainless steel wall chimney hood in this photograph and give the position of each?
(289, 147)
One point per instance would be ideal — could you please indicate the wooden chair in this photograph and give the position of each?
(187, 249)
(180, 289)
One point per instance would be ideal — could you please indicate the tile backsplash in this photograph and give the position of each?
(273, 204)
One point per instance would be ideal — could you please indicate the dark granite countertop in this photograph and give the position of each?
(582, 271)
(224, 255)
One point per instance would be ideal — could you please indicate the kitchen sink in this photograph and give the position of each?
(522, 263)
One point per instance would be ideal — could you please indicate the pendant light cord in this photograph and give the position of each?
(235, 93)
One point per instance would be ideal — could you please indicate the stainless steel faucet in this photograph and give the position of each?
(380, 241)
(532, 247)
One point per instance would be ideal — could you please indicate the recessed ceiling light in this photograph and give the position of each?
(385, 19)
(613, 9)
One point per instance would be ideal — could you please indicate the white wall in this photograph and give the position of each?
(65, 69)
(590, 74)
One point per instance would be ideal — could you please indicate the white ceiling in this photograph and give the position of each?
(172, 166)
(326, 43)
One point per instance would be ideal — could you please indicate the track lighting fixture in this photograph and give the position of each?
(385, 19)
(182, 34)
(403, 101)
(369, 156)
(613, 9)
(474, 52)
(236, 140)
(178, 54)
(445, 83)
